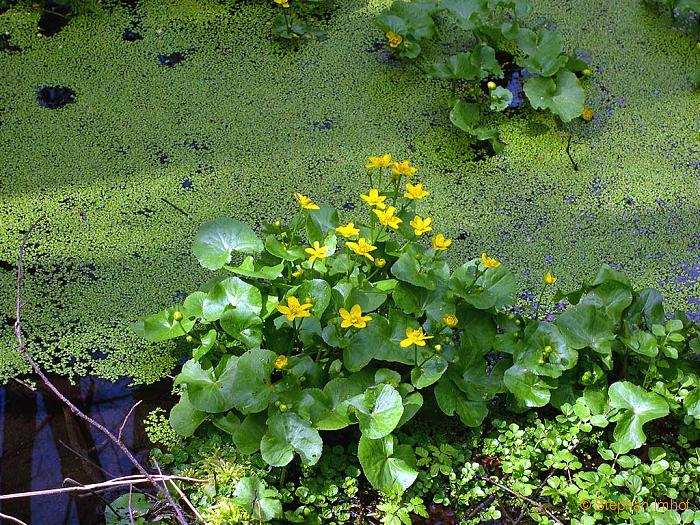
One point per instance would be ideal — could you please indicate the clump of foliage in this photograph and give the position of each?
(291, 25)
(323, 326)
(486, 38)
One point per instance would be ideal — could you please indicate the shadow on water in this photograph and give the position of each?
(43, 443)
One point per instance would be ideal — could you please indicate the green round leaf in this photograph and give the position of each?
(216, 240)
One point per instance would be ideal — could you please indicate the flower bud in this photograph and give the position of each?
(587, 72)
(548, 350)
(283, 407)
(178, 315)
(281, 362)
(450, 320)
(491, 85)
(438, 348)
(380, 262)
(189, 338)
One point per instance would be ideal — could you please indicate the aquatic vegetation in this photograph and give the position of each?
(498, 44)
(113, 247)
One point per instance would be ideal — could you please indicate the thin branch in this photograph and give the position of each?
(126, 418)
(568, 152)
(99, 496)
(11, 518)
(85, 459)
(75, 410)
(24, 384)
(168, 496)
(131, 512)
(188, 502)
(106, 485)
(532, 502)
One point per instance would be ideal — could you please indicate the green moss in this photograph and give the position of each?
(111, 249)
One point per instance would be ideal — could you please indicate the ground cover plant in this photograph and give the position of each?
(325, 325)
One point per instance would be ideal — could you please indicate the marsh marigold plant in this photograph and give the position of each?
(319, 324)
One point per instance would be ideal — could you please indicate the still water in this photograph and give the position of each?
(42, 443)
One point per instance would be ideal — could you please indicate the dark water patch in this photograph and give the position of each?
(54, 97)
(323, 125)
(173, 59)
(163, 158)
(43, 443)
(131, 36)
(54, 17)
(6, 45)
(187, 184)
(349, 206)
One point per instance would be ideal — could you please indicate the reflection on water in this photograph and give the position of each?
(43, 443)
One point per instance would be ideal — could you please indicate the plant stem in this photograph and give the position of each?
(568, 152)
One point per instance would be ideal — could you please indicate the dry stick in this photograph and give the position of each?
(98, 495)
(532, 502)
(126, 418)
(11, 518)
(131, 512)
(133, 480)
(481, 506)
(188, 502)
(75, 410)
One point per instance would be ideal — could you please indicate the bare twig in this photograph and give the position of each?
(539, 506)
(568, 152)
(131, 512)
(168, 496)
(117, 482)
(166, 201)
(24, 384)
(11, 518)
(188, 502)
(126, 418)
(99, 496)
(85, 459)
(481, 507)
(75, 410)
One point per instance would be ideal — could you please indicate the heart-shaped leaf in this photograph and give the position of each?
(216, 240)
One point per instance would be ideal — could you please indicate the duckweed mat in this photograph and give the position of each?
(197, 114)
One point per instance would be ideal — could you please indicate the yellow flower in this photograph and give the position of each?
(415, 191)
(378, 162)
(440, 242)
(587, 114)
(305, 202)
(387, 218)
(281, 362)
(450, 320)
(294, 309)
(348, 231)
(394, 39)
(317, 251)
(381, 263)
(298, 273)
(374, 199)
(489, 262)
(354, 317)
(549, 278)
(283, 3)
(362, 247)
(420, 225)
(414, 336)
(403, 168)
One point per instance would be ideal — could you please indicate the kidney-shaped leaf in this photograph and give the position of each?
(216, 240)
(638, 407)
(388, 467)
(286, 434)
(378, 411)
